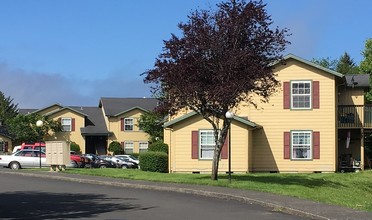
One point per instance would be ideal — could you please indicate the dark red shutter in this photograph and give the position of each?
(316, 145)
(72, 124)
(194, 145)
(316, 94)
(122, 124)
(225, 148)
(6, 146)
(286, 95)
(287, 145)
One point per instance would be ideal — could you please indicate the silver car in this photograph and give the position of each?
(23, 159)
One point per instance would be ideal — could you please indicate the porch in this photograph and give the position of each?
(354, 116)
(354, 134)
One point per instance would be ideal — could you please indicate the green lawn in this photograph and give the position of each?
(353, 190)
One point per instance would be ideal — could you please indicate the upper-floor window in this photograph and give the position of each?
(301, 94)
(66, 124)
(206, 144)
(128, 124)
(301, 144)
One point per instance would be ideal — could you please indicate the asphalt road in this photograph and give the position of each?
(23, 197)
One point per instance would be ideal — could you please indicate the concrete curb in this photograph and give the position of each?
(156, 186)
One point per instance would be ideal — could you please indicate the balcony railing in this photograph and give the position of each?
(355, 116)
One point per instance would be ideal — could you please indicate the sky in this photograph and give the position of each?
(73, 52)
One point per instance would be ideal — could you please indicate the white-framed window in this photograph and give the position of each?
(143, 146)
(66, 124)
(128, 147)
(301, 94)
(301, 144)
(2, 146)
(206, 144)
(128, 124)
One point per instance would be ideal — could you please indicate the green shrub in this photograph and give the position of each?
(154, 161)
(159, 147)
(74, 147)
(135, 155)
(115, 148)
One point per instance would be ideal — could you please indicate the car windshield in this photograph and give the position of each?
(133, 157)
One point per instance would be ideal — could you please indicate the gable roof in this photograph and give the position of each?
(94, 122)
(42, 109)
(299, 59)
(191, 114)
(67, 108)
(117, 106)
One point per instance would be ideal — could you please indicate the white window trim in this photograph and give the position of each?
(141, 145)
(310, 144)
(211, 146)
(129, 124)
(128, 148)
(311, 94)
(70, 123)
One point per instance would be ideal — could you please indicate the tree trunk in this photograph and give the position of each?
(216, 161)
(217, 150)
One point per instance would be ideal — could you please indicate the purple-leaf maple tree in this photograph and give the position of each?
(222, 57)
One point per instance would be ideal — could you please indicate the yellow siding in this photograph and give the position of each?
(137, 136)
(268, 142)
(262, 149)
(179, 138)
(73, 136)
(351, 96)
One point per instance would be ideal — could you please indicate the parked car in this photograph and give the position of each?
(79, 160)
(28, 158)
(23, 159)
(120, 162)
(129, 157)
(98, 162)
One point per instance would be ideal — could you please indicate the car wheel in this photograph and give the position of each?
(102, 166)
(14, 165)
(124, 167)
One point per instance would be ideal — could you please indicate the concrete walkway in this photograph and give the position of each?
(286, 204)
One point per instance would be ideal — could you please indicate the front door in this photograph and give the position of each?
(96, 145)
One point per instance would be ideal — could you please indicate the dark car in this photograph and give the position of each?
(98, 162)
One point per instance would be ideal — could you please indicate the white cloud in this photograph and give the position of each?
(38, 90)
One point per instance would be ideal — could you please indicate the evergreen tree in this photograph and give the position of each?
(326, 63)
(346, 65)
(8, 109)
(366, 64)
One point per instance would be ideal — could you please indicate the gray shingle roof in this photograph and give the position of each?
(357, 80)
(26, 111)
(115, 106)
(94, 123)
